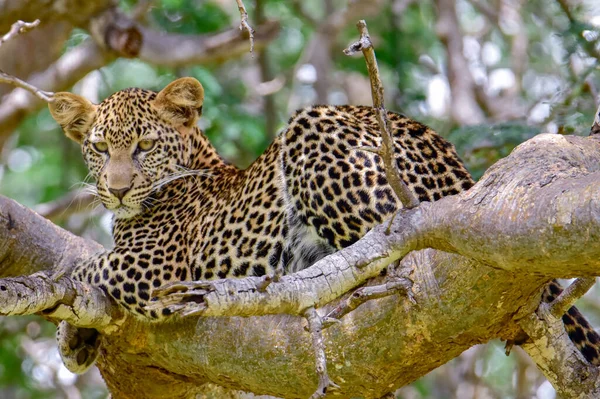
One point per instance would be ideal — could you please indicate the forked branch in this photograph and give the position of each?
(245, 25)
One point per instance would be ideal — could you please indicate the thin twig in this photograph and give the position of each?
(245, 25)
(386, 151)
(570, 295)
(364, 294)
(16, 29)
(47, 96)
(315, 327)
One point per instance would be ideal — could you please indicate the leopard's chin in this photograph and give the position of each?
(126, 212)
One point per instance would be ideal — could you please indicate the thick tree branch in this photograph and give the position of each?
(533, 214)
(561, 195)
(29, 243)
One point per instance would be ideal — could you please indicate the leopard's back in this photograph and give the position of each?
(336, 188)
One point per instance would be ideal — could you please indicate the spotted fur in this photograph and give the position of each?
(187, 214)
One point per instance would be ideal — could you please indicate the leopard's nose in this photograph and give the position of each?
(119, 192)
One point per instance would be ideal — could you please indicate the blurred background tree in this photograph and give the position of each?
(486, 74)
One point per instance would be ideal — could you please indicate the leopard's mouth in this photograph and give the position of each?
(123, 211)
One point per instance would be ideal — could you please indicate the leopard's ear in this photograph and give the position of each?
(74, 114)
(180, 103)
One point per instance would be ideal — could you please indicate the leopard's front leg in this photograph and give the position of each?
(79, 347)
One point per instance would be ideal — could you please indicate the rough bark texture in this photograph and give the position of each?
(545, 220)
(552, 351)
(534, 216)
(29, 243)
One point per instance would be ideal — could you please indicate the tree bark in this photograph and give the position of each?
(533, 216)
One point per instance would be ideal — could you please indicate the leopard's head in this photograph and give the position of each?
(134, 141)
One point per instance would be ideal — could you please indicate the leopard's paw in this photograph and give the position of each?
(78, 347)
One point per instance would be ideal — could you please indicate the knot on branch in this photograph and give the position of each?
(116, 32)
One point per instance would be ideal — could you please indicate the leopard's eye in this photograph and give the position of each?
(146, 145)
(100, 146)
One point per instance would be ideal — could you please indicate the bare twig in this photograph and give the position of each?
(386, 150)
(364, 294)
(16, 29)
(570, 295)
(245, 25)
(315, 327)
(47, 96)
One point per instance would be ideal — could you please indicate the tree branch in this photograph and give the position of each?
(386, 150)
(535, 213)
(315, 327)
(29, 243)
(14, 81)
(364, 294)
(556, 356)
(18, 28)
(464, 108)
(570, 295)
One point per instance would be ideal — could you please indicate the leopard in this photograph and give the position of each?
(183, 213)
